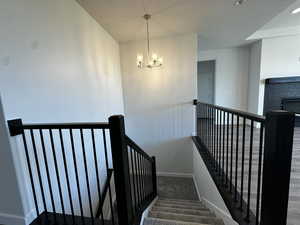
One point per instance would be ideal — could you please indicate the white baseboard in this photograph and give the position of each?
(228, 220)
(170, 174)
(196, 186)
(9, 219)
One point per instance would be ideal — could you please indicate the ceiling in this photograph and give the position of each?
(284, 23)
(218, 23)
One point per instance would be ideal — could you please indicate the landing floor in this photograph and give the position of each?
(176, 188)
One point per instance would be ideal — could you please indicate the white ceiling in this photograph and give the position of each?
(218, 22)
(283, 24)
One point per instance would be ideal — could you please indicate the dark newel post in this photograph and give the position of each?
(121, 171)
(154, 177)
(279, 132)
(15, 127)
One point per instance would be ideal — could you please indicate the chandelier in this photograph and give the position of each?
(153, 60)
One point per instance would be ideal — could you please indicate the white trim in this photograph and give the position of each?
(12, 219)
(227, 219)
(170, 174)
(30, 216)
(196, 186)
(275, 32)
(147, 210)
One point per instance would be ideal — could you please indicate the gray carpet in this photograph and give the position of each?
(176, 188)
(180, 212)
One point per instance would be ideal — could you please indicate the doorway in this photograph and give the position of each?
(206, 81)
(206, 84)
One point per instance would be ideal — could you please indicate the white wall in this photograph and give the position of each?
(254, 77)
(158, 102)
(207, 189)
(280, 57)
(11, 202)
(231, 81)
(56, 65)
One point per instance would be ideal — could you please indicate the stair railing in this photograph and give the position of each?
(66, 163)
(135, 174)
(70, 166)
(249, 157)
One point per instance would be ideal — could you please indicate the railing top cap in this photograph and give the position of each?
(250, 116)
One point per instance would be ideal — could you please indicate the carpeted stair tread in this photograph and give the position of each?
(181, 203)
(204, 212)
(181, 206)
(157, 221)
(184, 217)
(179, 200)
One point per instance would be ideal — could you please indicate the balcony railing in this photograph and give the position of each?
(249, 157)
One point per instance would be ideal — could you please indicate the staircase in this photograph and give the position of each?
(180, 212)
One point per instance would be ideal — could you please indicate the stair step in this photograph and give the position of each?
(180, 203)
(181, 206)
(185, 218)
(204, 212)
(157, 221)
(179, 200)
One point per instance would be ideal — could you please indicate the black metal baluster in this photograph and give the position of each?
(145, 181)
(250, 172)
(30, 173)
(231, 152)
(97, 173)
(220, 143)
(206, 128)
(214, 136)
(107, 173)
(216, 139)
(86, 175)
(211, 132)
(76, 173)
(57, 175)
(243, 164)
(142, 178)
(236, 156)
(47, 172)
(66, 172)
(133, 180)
(138, 178)
(38, 170)
(223, 159)
(130, 179)
(202, 123)
(260, 152)
(227, 149)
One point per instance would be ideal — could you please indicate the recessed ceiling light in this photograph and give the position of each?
(239, 2)
(295, 11)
